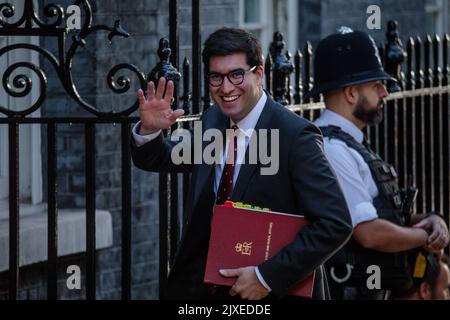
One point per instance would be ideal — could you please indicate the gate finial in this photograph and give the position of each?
(394, 55)
(164, 68)
(282, 69)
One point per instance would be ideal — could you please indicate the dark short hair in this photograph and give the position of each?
(432, 271)
(226, 41)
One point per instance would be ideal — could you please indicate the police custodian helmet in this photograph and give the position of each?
(345, 59)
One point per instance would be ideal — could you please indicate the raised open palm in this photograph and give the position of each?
(155, 111)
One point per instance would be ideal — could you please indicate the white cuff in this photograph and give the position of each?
(141, 140)
(261, 279)
(362, 212)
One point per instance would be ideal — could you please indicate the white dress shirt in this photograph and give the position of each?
(352, 171)
(246, 127)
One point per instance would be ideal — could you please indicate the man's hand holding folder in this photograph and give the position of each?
(247, 285)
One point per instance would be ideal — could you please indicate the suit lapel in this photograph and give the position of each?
(248, 170)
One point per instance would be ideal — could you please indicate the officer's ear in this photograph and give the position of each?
(351, 95)
(425, 291)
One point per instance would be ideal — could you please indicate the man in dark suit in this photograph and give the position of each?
(302, 184)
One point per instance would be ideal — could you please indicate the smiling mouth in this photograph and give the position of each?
(230, 98)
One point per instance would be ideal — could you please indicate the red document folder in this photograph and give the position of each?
(245, 237)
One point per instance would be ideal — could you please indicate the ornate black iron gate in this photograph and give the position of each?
(31, 25)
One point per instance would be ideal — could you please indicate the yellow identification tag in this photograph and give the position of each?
(420, 266)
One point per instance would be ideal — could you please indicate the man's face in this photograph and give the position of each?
(369, 108)
(441, 289)
(236, 101)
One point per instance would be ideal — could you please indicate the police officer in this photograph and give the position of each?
(349, 74)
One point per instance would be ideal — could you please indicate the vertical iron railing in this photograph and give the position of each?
(187, 107)
(90, 210)
(14, 252)
(196, 57)
(174, 228)
(436, 123)
(173, 178)
(445, 130)
(308, 67)
(298, 87)
(409, 110)
(126, 211)
(420, 137)
(428, 118)
(52, 224)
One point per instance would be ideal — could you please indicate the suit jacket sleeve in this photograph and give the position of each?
(156, 155)
(321, 200)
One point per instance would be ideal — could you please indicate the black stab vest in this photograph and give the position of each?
(393, 266)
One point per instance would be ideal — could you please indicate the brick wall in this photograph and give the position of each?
(408, 13)
(214, 14)
(317, 19)
(309, 21)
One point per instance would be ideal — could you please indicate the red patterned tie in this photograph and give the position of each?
(226, 181)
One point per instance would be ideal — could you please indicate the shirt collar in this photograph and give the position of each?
(248, 124)
(329, 117)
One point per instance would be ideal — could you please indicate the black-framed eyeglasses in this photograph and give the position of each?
(236, 77)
